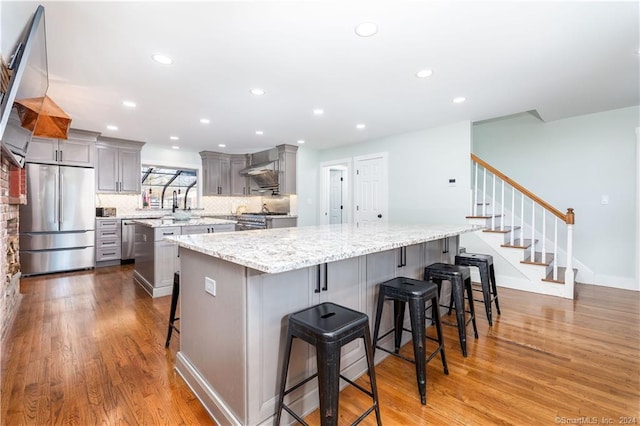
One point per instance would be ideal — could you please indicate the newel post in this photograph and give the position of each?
(569, 276)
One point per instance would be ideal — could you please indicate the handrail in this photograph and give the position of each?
(568, 218)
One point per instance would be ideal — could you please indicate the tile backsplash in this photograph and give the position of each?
(132, 203)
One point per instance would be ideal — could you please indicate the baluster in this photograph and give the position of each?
(521, 219)
(569, 277)
(555, 250)
(475, 198)
(533, 231)
(513, 214)
(493, 203)
(502, 208)
(544, 235)
(484, 193)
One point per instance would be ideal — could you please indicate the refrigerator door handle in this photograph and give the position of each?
(61, 198)
(54, 203)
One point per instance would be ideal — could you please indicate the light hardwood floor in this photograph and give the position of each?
(88, 348)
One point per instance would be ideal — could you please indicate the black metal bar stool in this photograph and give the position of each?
(484, 263)
(174, 305)
(328, 327)
(417, 294)
(460, 278)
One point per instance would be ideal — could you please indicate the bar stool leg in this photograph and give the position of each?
(492, 274)
(368, 350)
(174, 305)
(458, 300)
(416, 313)
(283, 376)
(471, 307)
(436, 320)
(398, 322)
(486, 290)
(376, 327)
(328, 360)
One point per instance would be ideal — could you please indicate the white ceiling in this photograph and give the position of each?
(560, 59)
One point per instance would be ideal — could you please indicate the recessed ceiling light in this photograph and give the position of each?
(366, 29)
(300, 141)
(162, 59)
(221, 145)
(424, 73)
(360, 126)
(129, 104)
(257, 92)
(205, 121)
(175, 147)
(259, 132)
(112, 127)
(459, 99)
(318, 111)
(174, 138)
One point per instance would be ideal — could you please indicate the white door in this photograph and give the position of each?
(371, 189)
(335, 196)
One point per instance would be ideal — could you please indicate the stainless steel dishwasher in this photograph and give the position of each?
(128, 240)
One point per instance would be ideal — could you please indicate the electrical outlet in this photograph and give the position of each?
(210, 286)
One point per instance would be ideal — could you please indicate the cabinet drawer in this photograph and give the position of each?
(168, 231)
(103, 254)
(107, 224)
(108, 243)
(108, 234)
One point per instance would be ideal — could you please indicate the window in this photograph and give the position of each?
(159, 183)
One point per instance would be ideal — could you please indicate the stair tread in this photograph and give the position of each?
(538, 260)
(505, 229)
(561, 274)
(483, 217)
(521, 244)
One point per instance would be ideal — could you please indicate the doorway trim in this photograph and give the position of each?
(346, 166)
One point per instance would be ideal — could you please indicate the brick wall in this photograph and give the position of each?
(11, 195)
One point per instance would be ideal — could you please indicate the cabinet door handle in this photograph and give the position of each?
(60, 155)
(167, 233)
(317, 290)
(326, 278)
(56, 155)
(403, 257)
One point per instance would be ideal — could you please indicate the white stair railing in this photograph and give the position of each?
(530, 223)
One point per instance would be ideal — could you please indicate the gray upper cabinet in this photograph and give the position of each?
(77, 150)
(287, 168)
(216, 173)
(239, 183)
(118, 166)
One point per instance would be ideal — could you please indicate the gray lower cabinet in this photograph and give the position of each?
(77, 150)
(156, 259)
(208, 229)
(282, 222)
(118, 166)
(273, 296)
(108, 242)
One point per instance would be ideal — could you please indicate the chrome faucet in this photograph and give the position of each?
(265, 209)
(175, 202)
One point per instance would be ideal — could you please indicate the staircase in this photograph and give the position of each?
(532, 236)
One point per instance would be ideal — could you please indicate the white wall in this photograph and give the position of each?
(573, 163)
(420, 165)
(307, 178)
(14, 17)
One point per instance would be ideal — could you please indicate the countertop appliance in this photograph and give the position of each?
(57, 226)
(105, 211)
(127, 240)
(249, 221)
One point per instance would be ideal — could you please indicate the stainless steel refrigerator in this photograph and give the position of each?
(57, 226)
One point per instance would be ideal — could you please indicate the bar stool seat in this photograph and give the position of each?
(328, 327)
(174, 305)
(460, 278)
(417, 294)
(484, 263)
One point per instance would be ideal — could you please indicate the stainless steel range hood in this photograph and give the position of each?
(263, 169)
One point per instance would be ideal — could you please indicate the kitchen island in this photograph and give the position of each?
(236, 290)
(156, 260)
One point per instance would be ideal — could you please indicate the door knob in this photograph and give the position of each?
(380, 216)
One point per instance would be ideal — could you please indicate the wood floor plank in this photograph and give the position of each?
(88, 348)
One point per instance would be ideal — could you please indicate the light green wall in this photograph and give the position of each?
(420, 165)
(573, 163)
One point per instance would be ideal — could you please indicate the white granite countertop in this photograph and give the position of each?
(285, 249)
(160, 223)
